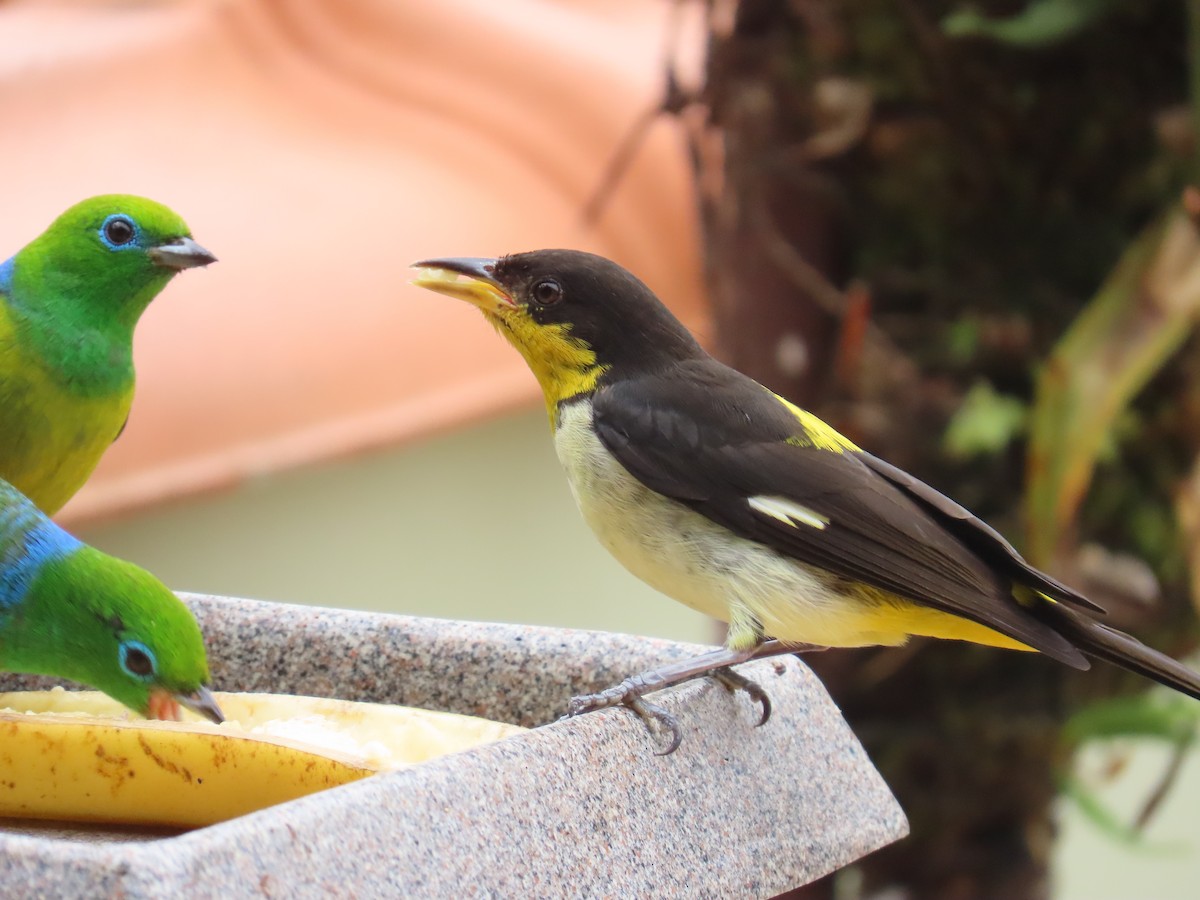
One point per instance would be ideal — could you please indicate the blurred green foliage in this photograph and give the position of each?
(1156, 715)
(985, 423)
(1040, 23)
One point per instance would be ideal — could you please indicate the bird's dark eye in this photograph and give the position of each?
(118, 231)
(547, 292)
(137, 659)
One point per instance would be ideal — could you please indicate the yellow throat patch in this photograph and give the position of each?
(564, 366)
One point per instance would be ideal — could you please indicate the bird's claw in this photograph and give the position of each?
(736, 682)
(654, 715)
(629, 693)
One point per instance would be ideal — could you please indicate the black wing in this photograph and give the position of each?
(712, 439)
(976, 533)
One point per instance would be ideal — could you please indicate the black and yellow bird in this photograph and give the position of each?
(739, 504)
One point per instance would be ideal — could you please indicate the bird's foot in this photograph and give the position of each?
(630, 693)
(735, 682)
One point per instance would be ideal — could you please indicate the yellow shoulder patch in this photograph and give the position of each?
(816, 433)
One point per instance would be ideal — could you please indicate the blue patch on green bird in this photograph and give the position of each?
(28, 540)
(70, 611)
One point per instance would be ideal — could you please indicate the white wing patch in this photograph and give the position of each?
(788, 512)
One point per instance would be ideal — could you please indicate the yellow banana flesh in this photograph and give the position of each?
(77, 756)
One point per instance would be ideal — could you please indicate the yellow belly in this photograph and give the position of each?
(50, 438)
(703, 565)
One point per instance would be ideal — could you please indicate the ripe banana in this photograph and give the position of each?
(76, 756)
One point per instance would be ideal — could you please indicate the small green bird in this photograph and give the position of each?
(70, 611)
(728, 498)
(69, 302)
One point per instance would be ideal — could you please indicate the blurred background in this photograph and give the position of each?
(960, 234)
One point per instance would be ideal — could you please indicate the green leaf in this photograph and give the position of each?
(1155, 715)
(1107, 821)
(985, 422)
(1131, 328)
(962, 340)
(1041, 23)
(1098, 814)
(1168, 717)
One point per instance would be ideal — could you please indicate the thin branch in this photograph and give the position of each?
(674, 101)
(1169, 777)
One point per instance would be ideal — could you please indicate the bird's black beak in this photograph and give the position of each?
(480, 289)
(203, 702)
(181, 253)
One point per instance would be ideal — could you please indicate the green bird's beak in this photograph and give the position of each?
(203, 702)
(480, 289)
(181, 253)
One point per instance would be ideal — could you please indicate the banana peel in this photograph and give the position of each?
(77, 756)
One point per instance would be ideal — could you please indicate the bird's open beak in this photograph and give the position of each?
(480, 287)
(181, 253)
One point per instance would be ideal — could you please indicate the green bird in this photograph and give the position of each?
(70, 611)
(726, 497)
(69, 302)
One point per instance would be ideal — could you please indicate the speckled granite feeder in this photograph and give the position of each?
(578, 808)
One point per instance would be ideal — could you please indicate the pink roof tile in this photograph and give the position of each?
(318, 148)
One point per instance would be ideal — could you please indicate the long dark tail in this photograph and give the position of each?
(1120, 649)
